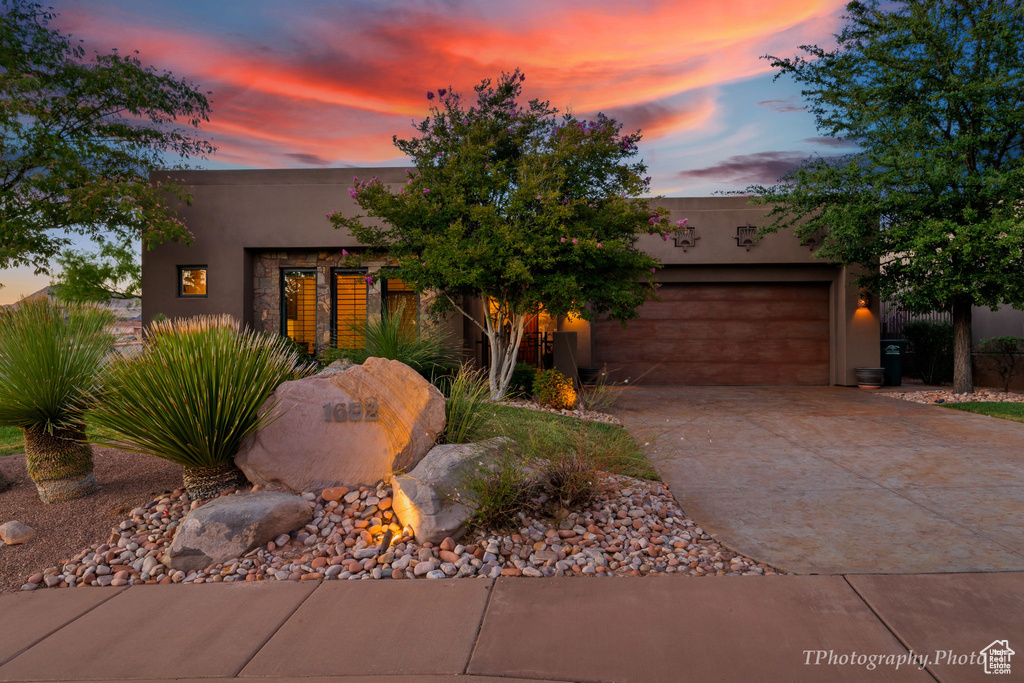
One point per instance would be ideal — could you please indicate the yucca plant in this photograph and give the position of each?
(49, 357)
(389, 336)
(192, 395)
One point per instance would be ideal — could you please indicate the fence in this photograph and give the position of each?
(894, 319)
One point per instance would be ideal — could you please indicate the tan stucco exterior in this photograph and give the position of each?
(239, 217)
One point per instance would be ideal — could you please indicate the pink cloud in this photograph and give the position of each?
(338, 82)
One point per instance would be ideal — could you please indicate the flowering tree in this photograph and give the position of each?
(518, 206)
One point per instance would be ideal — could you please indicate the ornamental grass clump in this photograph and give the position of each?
(193, 395)
(391, 336)
(49, 357)
(468, 406)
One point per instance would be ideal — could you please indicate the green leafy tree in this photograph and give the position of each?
(114, 272)
(519, 207)
(930, 91)
(78, 137)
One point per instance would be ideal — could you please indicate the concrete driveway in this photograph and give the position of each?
(830, 480)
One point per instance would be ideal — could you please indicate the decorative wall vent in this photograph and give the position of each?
(746, 236)
(813, 240)
(686, 237)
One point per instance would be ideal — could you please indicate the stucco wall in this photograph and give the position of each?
(239, 217)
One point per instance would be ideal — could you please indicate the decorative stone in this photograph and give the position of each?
(353, 427)
(422, 498)
(14, 532)
(231, 526)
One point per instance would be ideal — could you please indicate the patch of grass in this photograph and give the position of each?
(11, 441)
(1007, 411)
(549, 436)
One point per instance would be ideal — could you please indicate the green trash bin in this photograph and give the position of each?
(892, 360)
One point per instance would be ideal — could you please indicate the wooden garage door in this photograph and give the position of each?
(744, 333)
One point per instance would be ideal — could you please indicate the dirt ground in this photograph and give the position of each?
(127, 480)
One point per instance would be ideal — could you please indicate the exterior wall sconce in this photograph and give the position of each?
(863, 300)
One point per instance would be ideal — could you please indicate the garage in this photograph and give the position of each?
(723, 334)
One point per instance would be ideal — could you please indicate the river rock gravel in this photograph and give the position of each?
(632, 528)
(940, 396)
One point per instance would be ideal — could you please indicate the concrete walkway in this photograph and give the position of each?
(616, 629)
(829, 480)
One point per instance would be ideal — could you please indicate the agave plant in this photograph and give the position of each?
(192, 395)
(389, 336)
(49, 357)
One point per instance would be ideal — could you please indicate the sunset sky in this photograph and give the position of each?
(321, 84)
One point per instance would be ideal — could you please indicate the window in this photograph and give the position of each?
(399, 296)
(349, 308)
(298, 298)
(191, 281)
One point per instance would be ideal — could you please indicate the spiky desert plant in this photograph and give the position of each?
(193, 395)
(468, 405)
(388, 335)
(49, 357)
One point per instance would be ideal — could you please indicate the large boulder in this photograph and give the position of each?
(353, 427)
(231, 526)
(423, 498)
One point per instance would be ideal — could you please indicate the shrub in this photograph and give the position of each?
(192, 395)
(932, 350)
(521, 384)
(467, 406)
(554, 389)
(1005, 354)
(49, 357)
(387, 336)
(498, 493)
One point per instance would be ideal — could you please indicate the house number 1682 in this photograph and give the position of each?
(351, 412)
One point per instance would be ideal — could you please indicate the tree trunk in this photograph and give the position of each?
(963, 376)
(60, 463)
(208, 482)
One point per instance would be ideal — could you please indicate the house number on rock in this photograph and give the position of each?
(351, 412)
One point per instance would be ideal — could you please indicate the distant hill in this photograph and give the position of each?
(124, 309)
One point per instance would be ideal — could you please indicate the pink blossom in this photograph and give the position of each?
(426, 190)
(353, 193)
(563, 239)
(344, 252)
(654, 270)
(598, 245)
(369, 279)
(574, 240)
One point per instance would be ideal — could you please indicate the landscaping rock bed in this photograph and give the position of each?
(947, 396)
(591, 415)
(633, 527)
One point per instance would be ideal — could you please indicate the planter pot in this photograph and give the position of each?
(869, 378)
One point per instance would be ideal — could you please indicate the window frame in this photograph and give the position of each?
(384, 300)
(284, 299)
(334, 298)
(181, 282)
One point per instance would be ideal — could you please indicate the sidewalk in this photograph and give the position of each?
(614, 629)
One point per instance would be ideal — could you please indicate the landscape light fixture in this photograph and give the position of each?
(863, 299)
